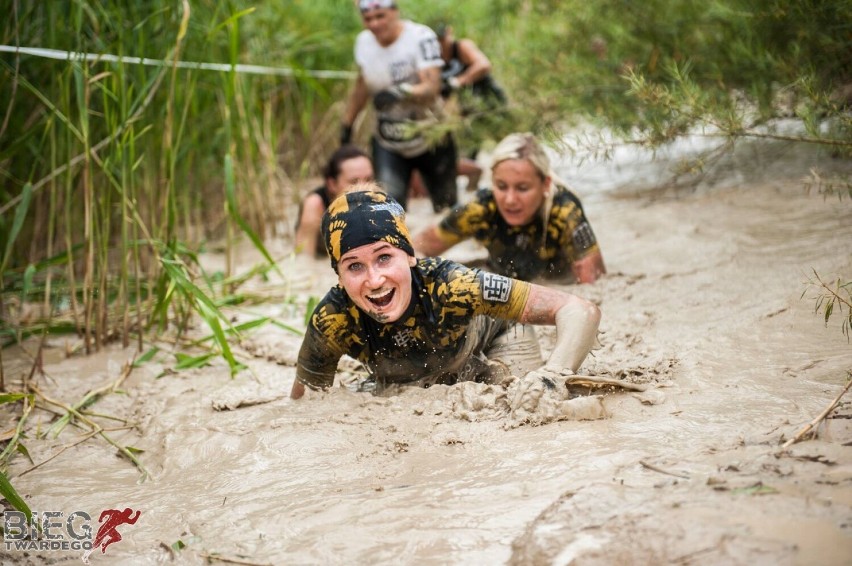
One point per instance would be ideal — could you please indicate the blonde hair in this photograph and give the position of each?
(522, 146)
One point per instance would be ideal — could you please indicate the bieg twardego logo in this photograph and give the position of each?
(52, 533)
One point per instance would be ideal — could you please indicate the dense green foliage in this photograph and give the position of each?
(730, 63)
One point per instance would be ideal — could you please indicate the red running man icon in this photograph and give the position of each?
(108, 532)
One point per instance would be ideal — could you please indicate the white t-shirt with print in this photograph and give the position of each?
(415, 49)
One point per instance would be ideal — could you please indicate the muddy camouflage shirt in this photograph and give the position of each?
(426, 341)
(524, 252)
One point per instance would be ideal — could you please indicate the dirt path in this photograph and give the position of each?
(702, 303)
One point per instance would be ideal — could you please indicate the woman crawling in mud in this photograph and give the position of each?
(531, 224)
(428, 321)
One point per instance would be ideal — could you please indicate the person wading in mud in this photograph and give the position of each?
(399, 69)
(346, 166)
(428, 321)
(529, 222)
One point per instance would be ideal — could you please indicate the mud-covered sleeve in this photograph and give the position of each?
(574, 231)
(322, 347)
(473, 291)
(464, 221)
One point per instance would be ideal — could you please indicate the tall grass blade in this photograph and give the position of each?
(287, 327)
(205, 307)
(11, 495)
(185, 361)
(20, 215)
(12, 397)
(239, 328)
(231, 20)
(233, 212)
(212, 318)
(146, 357)
(29, 273)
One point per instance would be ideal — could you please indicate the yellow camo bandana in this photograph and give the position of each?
(359, 218)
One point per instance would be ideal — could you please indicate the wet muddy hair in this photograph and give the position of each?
(335, 162)
(522, 146)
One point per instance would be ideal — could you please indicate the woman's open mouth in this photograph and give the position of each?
(382, 299)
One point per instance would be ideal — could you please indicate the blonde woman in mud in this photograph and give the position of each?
(530, 224)
(428, 321)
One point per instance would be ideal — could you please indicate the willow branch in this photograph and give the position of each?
(662, 471)
(814, 423)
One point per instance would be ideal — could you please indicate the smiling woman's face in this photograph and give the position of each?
(377, 277)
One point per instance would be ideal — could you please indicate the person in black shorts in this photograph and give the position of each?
(399, 69)
(428, 321)
(466, 75)
(466, 82)
(346, 166)
(467, 67)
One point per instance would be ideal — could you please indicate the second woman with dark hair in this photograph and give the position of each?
(346, 167)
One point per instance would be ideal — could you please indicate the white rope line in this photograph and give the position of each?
(251, 69)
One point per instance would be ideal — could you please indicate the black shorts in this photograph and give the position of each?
(437, 167)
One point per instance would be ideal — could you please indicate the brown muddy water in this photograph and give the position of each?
(702, 304)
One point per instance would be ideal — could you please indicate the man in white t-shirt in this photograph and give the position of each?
(399, 64)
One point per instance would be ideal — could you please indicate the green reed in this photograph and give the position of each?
(116, 175)
(128, 166)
